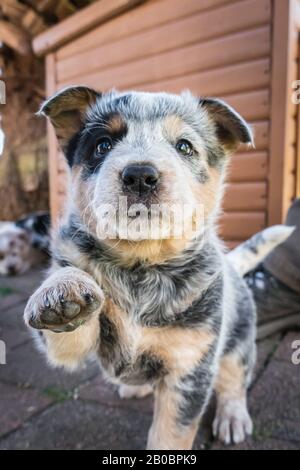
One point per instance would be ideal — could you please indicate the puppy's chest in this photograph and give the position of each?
(135, 354)
(124, 352)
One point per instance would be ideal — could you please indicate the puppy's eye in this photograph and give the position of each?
(104, 146)
(184, 148)
(1, 256)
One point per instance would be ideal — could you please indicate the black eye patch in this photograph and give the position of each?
(83, 148)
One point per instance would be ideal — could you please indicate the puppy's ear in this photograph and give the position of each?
(231, 128)
(67, 109)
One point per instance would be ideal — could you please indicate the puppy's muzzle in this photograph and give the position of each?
(140, 179)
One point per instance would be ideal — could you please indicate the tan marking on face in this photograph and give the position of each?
(231, 378)
(210, 193)
(173, 126)
(116, 124)
(81, 192)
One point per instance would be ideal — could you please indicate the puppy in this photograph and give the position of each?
(24, 244)
(15, 252)
(162, 311)
(37, 226)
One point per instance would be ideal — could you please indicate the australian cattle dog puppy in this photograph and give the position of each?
(159, 310)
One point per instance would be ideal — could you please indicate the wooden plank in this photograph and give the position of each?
(197, 28)
(243, 46)
(297, 147)
(252, 106)
(290, 192)
(61, 183)
(62, 164)
(284, 37)
(139, 19)
(52, 141)
(261, 136)
(241, 225)
(79, 23)
(291, 138)
(235, 78)
(245, 197)
(13, 9)
(230, 244)
(252, 166)
(15, 37)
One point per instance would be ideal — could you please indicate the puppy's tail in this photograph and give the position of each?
(249, 254)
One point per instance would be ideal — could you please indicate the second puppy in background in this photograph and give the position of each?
(24, 244)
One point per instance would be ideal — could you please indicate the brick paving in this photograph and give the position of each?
(43, 408)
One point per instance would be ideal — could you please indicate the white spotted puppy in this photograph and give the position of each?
(165, 312)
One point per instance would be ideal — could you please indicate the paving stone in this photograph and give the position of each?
(26, 365)
(285, 350)
(13, 317)
(13, 337)
(265, 444)
(11, 300)
(204, 436)
(265, 349)
(25, 283)
(80, 425)
(277, 394)
(99, 390)
(17, 405)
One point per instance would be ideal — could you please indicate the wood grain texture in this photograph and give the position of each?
(241, 225)
(243, 46)
(245, 197)
(236, 78)
(254, 105)
(79, 23)
(55, 201)
(250, 166)
(283, 132)
(172, 35)
(142, 18)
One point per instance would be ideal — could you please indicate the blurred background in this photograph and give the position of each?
(23, 166)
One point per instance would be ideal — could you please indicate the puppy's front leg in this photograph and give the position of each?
(178, 408)
(68, 302)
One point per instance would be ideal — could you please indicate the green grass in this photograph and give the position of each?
(5, 291)
(56, 394)
(261, 433)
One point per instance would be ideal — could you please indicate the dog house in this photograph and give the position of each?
(244, 51)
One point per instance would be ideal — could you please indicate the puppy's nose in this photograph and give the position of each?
(140, 179)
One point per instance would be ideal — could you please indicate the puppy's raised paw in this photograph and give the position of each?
(232, 423)
(63, 302)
